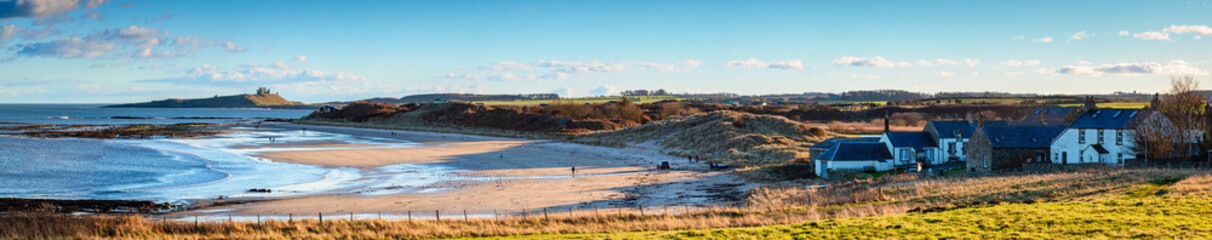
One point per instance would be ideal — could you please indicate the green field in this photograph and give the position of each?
(636, 99)
(1149, 217)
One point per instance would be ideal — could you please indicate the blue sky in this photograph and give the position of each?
(313, 51)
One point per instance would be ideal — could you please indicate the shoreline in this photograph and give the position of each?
(504, 175)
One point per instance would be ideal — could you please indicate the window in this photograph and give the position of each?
(1121, 158)
(1081, 136)
(904, 154)
(1100, 136)
(1119, 137)
(951, 148)
(1064, 157)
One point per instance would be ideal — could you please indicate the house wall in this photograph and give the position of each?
(980, 153)
(1067, 144)
(982, 157)
(852, 166)
(944, 151)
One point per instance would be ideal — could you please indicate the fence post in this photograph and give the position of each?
(641, 210)
(380, 215)
(258, 220)
(437, 215)
(494, 215)
(410, 215)
(465, 215)
(351, 217)
(321, 217)
(291, 219)
(545, 214)
(195, 222)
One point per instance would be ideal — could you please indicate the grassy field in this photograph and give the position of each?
(1150, 217)
(1108, 203)
(1115, 105)
(636, 99)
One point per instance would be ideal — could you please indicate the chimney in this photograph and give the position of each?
(1089, 104)
(1153, 103)
(887, 126)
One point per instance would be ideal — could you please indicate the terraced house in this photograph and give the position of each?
(1103, 136)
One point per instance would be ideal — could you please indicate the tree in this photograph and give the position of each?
(1183, 106)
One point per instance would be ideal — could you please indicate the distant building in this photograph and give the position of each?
(263, 91)
(1053, 115)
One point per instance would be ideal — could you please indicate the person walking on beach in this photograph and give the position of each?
(574, 170)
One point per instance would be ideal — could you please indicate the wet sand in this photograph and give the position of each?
(532, 174)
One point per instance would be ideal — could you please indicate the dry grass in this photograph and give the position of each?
(722, 136)
(1194, 185)
(784, 204)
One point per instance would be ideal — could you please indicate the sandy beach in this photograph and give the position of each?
(525, 175)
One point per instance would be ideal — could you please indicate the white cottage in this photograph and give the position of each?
(951, 138)
(1101, 136)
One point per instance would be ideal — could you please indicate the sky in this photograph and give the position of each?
(112, 51)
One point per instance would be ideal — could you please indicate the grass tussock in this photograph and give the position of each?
(722, 136)
(848, 205)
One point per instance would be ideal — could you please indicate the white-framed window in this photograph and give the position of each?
(904, 154)
(1081, 136)
(1119, 137)
(1100, 136)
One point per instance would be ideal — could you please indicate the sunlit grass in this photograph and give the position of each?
(636, 99)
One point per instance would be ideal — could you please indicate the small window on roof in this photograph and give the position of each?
(1117, 113)
(1133, 114)
(1034, 141)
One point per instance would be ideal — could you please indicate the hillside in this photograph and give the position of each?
(471, 118)
(462, 97)
(725, 136)
(262, 99)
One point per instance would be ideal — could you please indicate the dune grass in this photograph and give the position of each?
(1103, 203)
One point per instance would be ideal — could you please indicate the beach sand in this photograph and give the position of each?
(535, 174)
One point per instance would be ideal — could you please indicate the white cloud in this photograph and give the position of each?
(140, 42)
(1201, 29)
(942, 74)
(1124, 33)
(299, 58)
(755, 63)
(42, 8)
(604, 90)
(876, 61)
(937, 62)
(867, 76)
(1084, 62)
(1152, 36)
(972, 62)
(1176, 67)
(563, 91)
(690, 63)
(490, 76)
(1042, 40)
(1023, 63)
(1079, 36)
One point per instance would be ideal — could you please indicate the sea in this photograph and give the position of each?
(181, 170)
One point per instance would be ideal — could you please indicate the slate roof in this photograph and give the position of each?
(1049, 114)
(915, 140)
(946, 129)
(827, 144)
(1106, 118)
(1022, 136)
(856, 151)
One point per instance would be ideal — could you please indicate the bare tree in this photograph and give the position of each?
(1183, 106)
(1156, 138)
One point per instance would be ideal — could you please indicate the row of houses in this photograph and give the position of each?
(1058, 135)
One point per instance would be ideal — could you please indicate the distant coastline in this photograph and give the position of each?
(262, 99)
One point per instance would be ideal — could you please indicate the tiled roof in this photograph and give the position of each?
(915, 140)
(856, 151)
(1107, 118)
(1022, 136)
(827, 144)
(946, 129)
(1049, 114)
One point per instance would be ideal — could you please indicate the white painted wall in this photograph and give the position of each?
(1068, 142)
(959, 148)
(852, 166)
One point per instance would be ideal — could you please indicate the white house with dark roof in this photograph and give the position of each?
(853, 156)
(1101, 136)
(909, 147)
(951, 137)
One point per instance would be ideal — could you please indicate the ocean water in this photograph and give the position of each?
(88, 114)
